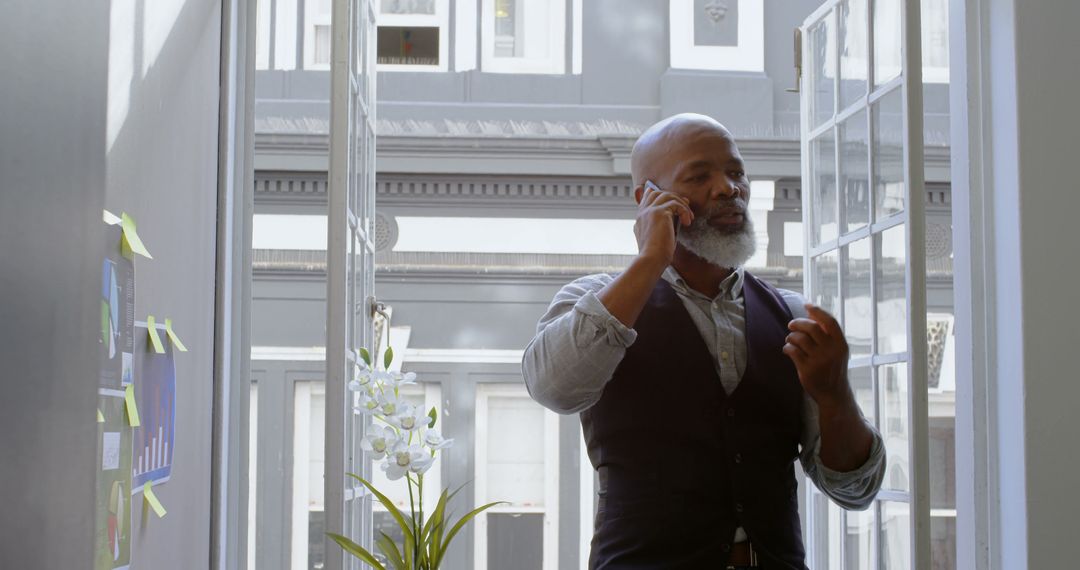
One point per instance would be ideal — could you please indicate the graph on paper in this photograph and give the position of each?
(155, 388)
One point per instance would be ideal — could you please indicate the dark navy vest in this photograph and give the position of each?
(681, 463)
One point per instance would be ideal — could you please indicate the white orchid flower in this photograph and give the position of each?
(434, 440)
(410, 418)
(379, 441)
(362, 379)
(406, 458)
(400, 379)
(368, 404)
(390, 404)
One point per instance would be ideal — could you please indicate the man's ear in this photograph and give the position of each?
(639, 191)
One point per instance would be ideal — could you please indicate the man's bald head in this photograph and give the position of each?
(653, 149)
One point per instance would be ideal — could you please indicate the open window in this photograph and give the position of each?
(864, 224)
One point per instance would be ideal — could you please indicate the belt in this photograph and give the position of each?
(742, 556)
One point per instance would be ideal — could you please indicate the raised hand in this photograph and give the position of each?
(820, 353)
(658, 212)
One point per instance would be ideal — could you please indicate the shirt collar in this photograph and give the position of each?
(730, 288)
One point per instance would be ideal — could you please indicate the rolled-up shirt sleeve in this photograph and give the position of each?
(852, 490)
(578, 345)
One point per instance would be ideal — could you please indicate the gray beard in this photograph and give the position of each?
(727, 250)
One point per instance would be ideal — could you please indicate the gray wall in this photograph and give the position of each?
(163, 170)
(52, 187)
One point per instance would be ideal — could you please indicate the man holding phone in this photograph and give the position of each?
(698, 384)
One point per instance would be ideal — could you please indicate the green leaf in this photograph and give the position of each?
(356, 550)
(364, 354)
(390, 550)
(406, 527)
(461, 524)
(435, 517)
(388, 357)
(434, 415)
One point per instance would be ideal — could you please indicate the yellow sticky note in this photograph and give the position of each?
(172, 335)
(151, 327)
(152, 500)
(131, 236)
(132, 408)
(100, 417)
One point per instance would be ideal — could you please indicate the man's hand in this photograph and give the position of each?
(820, 352)
(658, 212)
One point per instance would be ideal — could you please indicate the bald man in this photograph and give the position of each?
(698, 384)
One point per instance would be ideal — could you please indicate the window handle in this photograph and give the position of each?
(798, 61)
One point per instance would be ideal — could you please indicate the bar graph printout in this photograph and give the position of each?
(155, 438)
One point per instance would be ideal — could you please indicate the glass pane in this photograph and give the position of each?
(507, 31)
(253, 470)
(942, 424)
(407, 6)
(515, 540)
(862, 384)
(894, 425)
(858, 317)
(308, 510)
(823, 200)
(522, 29)
(891, 290)
(888, 18)
(826, 285)
(889, 155)
(859, 540)
(853, 51)
(895, 535)
(412, 45)
(515, 472)
(822, 76)
(854, 149)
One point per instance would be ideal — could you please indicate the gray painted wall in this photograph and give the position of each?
(52, 187)
(163, 170)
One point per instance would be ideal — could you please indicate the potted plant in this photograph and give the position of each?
(403, 439)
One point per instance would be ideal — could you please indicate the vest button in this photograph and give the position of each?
(738, 507)
(738, 458)
(726, 548)
(731, 412)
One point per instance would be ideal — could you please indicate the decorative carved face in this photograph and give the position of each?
(716, 11)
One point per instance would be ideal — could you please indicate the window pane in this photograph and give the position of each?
(413, 45)
(826, 286)
(515, 471)
(891, 290)
(859, 540)
(853, 51)
(824, 199)
(322, 44)
(308, 520)
(894, 425)
(862, 384)
(523, 29)
(822, 76)
(895, 535)
(858, 319)
(515, 540)
(888, 16)
(888, 155)
(407, 6)
(854, 148)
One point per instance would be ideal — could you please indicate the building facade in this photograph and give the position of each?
(504, 134)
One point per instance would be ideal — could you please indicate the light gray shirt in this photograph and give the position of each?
(578, 345)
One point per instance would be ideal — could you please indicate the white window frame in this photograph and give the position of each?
(440, 19)
(554, 63)
(550, 510)
(748, 55)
